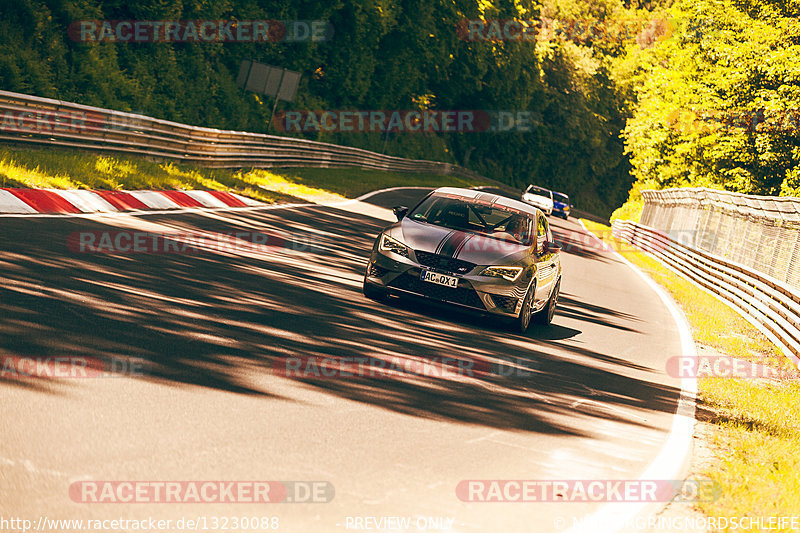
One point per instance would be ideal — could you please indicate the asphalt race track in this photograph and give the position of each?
(587, 398)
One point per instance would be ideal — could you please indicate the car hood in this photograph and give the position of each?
(538, 200)
(462, 245)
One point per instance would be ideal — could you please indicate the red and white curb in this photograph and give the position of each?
(38, 201)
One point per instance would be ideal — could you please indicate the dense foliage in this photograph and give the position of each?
(580, 91)
(720, 107)
(383, 55)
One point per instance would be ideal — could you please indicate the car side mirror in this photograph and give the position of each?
(400, 212)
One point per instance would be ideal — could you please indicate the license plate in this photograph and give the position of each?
(439, 279)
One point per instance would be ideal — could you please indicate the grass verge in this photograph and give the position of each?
(756, 423)
(59, 168)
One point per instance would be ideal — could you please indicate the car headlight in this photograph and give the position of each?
(506, 272)
(389, 244)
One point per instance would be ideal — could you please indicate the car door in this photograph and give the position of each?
(546, 268)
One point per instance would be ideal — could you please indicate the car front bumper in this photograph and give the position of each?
(546, 209)
(400, 276)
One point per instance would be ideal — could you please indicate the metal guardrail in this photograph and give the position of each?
(761, 232)
(768, 301)
(44, 121)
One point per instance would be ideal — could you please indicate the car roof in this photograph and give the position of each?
(473, 194)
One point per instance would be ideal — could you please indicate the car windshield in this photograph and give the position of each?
(494, 221)
(538, 191)
(563, 198)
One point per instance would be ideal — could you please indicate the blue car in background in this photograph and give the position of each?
(561, 205)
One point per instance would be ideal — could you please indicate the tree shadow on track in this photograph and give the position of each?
(222, 317)
(577, 309)
(580, 243)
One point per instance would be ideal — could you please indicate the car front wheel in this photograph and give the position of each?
(545, 316)
(525, 314)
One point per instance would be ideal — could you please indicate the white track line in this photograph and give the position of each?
(741, 312)
(379, 191)
(672, 461)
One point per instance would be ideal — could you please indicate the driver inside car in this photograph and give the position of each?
(517, 230)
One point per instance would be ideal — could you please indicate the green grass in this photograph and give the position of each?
(72, 169)
(758, 437)
(756, 423)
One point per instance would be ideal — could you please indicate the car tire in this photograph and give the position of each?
(523, 321)
(374, 293)
(545, 316)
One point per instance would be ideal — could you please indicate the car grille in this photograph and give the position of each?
(450, 264)
(376, 271)
(506, 303)
(463, 294)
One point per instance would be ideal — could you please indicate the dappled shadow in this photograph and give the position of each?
(574, 308)
(553, 332)
(714, 414)
(406, 197)
(221, 317)
(595, 309)
(507, 191)
(573, 240)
